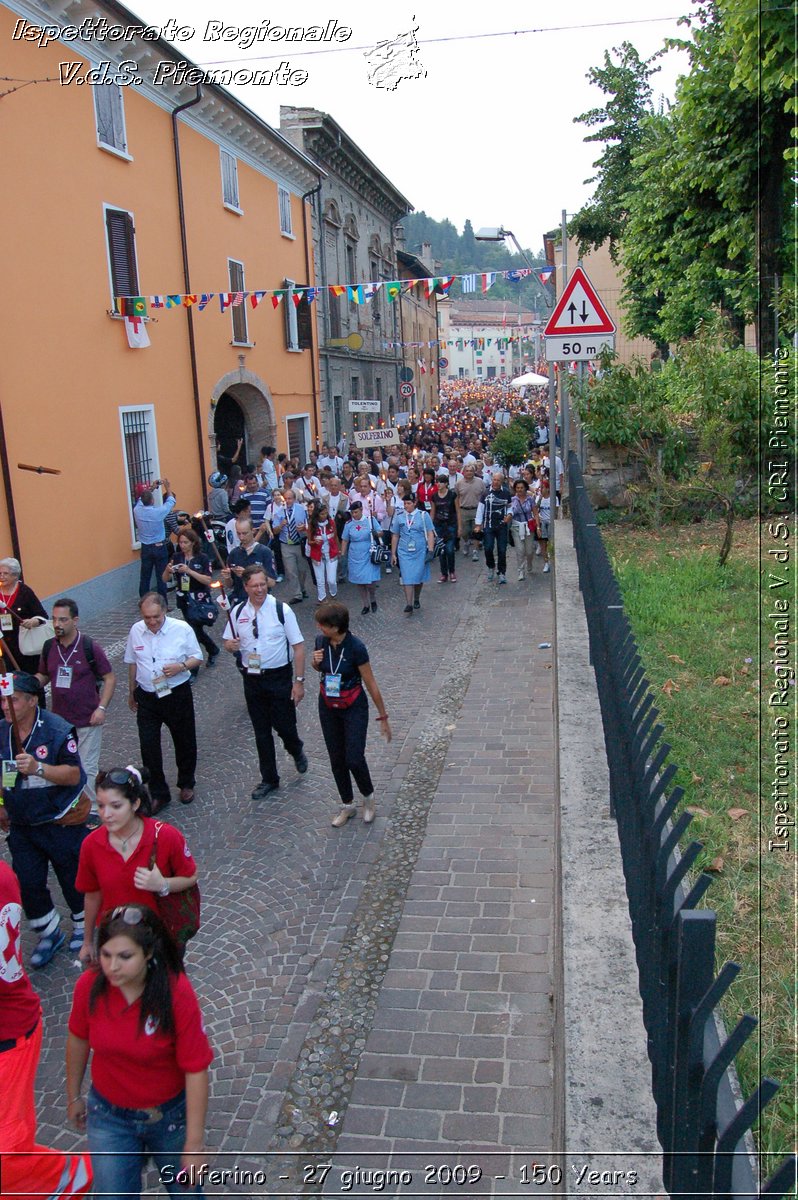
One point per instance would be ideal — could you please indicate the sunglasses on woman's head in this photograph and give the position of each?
(118, 777)
(131, 916)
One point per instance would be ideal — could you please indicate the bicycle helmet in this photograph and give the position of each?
(217, 479)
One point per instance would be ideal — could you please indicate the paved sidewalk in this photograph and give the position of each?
(384, 989)
(460, 1057)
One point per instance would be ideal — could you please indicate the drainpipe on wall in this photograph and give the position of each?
(9, 492)
(192, 347)
(313, 325)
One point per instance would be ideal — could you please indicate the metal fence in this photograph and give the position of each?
(701, 1123)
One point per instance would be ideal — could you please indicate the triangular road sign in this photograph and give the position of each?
(579, 310)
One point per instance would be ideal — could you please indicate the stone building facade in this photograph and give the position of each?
(354, 230)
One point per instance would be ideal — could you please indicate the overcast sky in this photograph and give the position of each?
(489, 132)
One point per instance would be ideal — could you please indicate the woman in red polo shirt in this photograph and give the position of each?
(138, 1017)
(114, 867)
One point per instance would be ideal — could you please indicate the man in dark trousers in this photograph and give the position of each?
(153, 537)
(160, 654)
(43, 782)
(494, 515)
(270, 652)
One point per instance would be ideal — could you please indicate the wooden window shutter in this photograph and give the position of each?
(304, 322)
(122, 252)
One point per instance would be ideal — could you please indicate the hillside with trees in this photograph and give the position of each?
(461, 253)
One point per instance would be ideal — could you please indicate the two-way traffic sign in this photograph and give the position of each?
(580, 326)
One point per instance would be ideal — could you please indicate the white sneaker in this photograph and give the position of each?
(537, 550)
(490, 576)
(547, 567)
(475, 557)
(369, 810)
(502, 579)
(521, 576)
(389, 570)
(342, 816)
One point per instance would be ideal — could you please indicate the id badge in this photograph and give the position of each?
(63, 677)
(411, 546)
(253, 663)
(6, 622)
(332, 686)
(10, 772)
(161, 685)
(185, 583)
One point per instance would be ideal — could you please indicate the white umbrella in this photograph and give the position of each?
(529, 380)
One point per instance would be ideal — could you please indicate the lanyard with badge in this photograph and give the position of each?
(10, 768)
(411, 538)
(63, 675)
(6, 619)
(253, 656)
(332, 681)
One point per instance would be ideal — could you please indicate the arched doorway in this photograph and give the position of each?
(229, 427)
(241, 407)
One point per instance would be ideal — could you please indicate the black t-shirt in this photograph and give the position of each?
(444, 509)
(198, 563)
(344, 659)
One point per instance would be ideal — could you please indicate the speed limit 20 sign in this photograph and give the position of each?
(406, 390)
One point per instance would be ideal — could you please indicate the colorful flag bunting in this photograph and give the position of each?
(337, 289)
(296, 297)
(468, 283)
(189, 300)
(205, 300)
(277, 297)
(156, 301)
(174, 301)
(488, 280)
(256, 297)
(355, 293)
(131, 306)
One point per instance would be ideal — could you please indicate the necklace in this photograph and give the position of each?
(125, 842)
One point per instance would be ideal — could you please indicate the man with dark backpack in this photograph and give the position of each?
(265, 638)
(82, 683)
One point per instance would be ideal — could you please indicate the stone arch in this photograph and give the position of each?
(254, 399)
(350, 227)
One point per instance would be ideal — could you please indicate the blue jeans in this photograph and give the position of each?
(498, 538)
(121, 1138)
(153, 558)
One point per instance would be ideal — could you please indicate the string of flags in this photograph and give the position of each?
(361, 293)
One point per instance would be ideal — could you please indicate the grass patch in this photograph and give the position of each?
(696, 625)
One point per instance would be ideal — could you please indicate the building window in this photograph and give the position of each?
(140, 449)
(284, 200)
(121, 241)
(337, 418)
(229, 165)
(238, 312)
(491, 372)
(378, 392)
(335, 315)
(109, 110)
(298, 318)
(298, 430)
(355, 395)
(351, 268)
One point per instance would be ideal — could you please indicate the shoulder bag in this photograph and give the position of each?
(179, 911)
(378, 553)
(200, 608)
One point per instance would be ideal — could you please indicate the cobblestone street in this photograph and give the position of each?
(372, 991)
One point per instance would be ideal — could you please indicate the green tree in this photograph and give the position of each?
(626, 84)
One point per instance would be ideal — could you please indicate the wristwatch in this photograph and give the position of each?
(299, 679)
(40, 770)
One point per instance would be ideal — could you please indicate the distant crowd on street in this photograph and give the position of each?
(406, 514)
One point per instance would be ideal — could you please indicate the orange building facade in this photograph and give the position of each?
(95, 206)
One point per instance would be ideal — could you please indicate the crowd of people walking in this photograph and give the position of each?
(128, 878)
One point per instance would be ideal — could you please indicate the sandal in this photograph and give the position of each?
(46, 948)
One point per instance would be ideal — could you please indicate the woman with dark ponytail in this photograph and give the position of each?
(131, 858)
(137, 1015)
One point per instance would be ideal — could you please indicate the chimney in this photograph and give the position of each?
(426, 253)
(399, 236)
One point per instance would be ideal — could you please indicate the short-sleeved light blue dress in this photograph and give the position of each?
(412, 567)
(360, 568)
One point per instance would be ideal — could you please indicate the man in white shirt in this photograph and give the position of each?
(161, 653)
(290, 525)
(264, 636)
